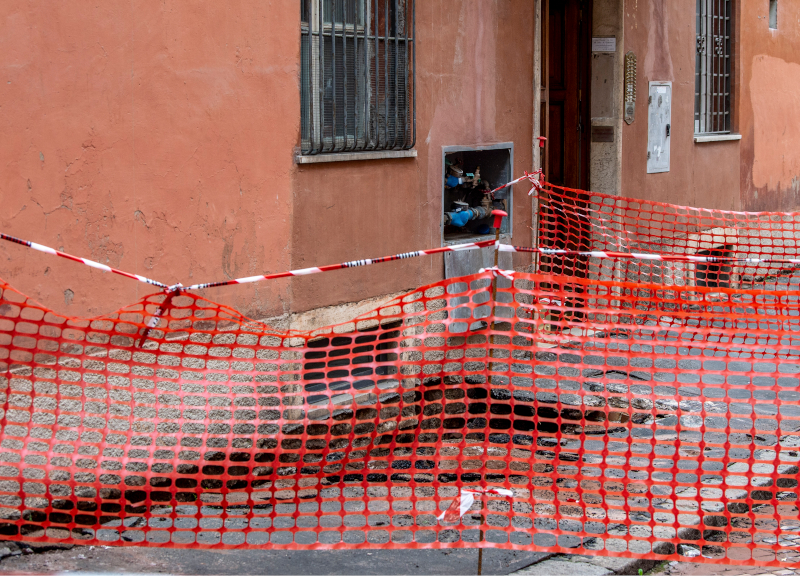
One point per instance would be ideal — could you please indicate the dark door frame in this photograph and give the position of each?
(584, 56)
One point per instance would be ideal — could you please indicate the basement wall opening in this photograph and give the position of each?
(468, 173)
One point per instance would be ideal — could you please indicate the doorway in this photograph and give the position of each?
(566, 65)
(566, 69)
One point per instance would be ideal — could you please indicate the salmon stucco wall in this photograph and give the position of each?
(662, 35)
(156, 137)
(769, 110)
(474, 78)
(159, 138)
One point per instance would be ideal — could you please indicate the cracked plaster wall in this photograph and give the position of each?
(156, 137)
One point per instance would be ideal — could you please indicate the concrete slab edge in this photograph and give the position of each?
(612, 565)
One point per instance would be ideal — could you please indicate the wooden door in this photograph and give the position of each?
(566, 67)
(568, 55)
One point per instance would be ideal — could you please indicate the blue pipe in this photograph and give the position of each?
(461, 218)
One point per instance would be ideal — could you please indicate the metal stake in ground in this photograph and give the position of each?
(498, 220)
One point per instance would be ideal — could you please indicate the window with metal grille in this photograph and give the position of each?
(357, 75)
(712, 95)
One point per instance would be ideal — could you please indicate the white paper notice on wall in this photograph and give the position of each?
(659, 127)
(604, 44)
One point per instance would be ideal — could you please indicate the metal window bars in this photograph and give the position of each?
(357, 75)
(712, 99)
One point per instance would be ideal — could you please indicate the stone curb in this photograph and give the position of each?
(569, 565)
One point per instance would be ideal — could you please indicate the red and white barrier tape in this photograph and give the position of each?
(405, 255)
(303, 272)
(92, 263)
(466, 499)
(646, 256)
(533, 177)
(352, 264)
(498, 272)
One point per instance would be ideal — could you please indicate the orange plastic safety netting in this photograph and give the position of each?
(564, 414)
(743, 242)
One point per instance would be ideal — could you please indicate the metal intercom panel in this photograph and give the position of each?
(659, 126)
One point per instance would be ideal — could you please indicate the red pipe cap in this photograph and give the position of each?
(498, 217)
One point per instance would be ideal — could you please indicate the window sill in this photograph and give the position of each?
(700, 138)
(354, 156)
(468, 238)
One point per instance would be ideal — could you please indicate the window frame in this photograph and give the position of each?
(371, 40)
(713, 93)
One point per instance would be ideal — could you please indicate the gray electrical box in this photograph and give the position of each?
(659, 126)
